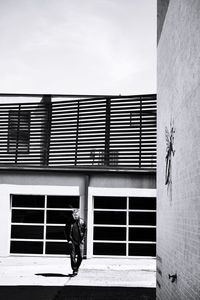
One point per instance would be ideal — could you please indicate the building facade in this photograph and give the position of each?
(95, 153)
(178, 171)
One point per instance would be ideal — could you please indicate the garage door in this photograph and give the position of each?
(37, 223)
(124, 226)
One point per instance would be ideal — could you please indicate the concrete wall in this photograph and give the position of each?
(96, 179)
(133, 180)
(178, 203)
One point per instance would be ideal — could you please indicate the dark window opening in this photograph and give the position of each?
(141, 117)
(18, 131)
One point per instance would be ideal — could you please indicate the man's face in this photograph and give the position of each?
(76, 215)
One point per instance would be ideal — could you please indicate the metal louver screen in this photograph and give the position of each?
(111, 132)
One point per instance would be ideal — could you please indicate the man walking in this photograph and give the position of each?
(75, 230)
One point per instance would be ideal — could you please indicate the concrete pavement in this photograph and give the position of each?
(49, 271)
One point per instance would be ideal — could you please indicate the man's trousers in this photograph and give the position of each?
(76, 255)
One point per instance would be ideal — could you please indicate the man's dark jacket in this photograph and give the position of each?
(75, 230)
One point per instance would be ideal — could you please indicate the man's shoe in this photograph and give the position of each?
(75, 273)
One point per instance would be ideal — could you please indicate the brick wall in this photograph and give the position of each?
(178, 207)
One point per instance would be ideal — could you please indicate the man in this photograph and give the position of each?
(75, 231)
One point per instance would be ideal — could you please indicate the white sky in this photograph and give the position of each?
(78, 46)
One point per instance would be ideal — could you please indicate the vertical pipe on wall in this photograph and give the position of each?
(107, 134)
(17, 136)
(47, 130)
(84, 201)
(77, 133)
(140, 134)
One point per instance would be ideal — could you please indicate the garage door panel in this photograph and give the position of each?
(114, 217)
(62, 201)
(56, 248)
(55, 233)
(27, 232)
(57, 216)
(142, 203)
(142, 234)
(109, 249)
(28, 201)
(110, 233)
(142, 218)
(27, 216)
(110, 202)
(142, 249)
(26, 247)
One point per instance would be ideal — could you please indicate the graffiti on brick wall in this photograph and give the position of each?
(169, 136)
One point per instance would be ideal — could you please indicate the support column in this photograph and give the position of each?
(47, 129)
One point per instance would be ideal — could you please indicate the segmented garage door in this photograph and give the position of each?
(124, 226)
(37, 223)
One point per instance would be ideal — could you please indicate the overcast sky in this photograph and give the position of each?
(78, 46)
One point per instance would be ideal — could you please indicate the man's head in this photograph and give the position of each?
(76, 214)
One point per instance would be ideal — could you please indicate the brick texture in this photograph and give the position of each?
(178, 203)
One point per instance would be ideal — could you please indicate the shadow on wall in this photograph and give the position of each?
(162, 7)
(76, 293)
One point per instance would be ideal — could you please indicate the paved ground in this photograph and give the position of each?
(47, 271)
(48, 278)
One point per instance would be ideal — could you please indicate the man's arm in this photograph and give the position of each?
(83, 230)
(67, 232)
